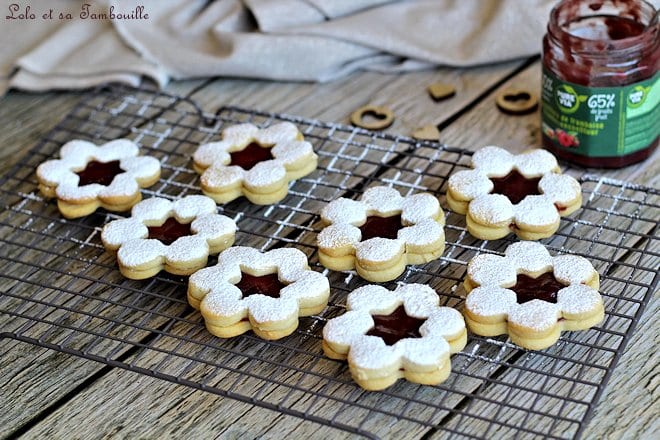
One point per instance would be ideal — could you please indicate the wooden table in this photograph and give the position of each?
(49, 394)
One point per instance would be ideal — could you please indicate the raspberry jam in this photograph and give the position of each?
(515, 186)
(396, 326)
(269, 285)
(385, 227)
(543, 287)
(249, 156)
(99, 172)
(169, 231)
(600, 82)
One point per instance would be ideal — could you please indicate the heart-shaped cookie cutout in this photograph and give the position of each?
(440, 91)
(380, 117)
(517, 101)
(427, 133)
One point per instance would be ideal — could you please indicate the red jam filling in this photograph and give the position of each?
(544, 287)
(99, 172)
(169, 231)
(515, 186)
(269, 285)
(385, 227)
(249, 156)
(396, 326)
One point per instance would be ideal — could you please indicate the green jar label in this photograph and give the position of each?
(600, 121)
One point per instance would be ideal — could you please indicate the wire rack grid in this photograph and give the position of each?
(61, 290)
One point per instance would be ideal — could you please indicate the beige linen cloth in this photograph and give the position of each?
(302, 40)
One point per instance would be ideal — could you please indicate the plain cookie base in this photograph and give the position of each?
(222, 196)
(48, 191)
(313, 309)
(305, 166)
(193, 300)
(263, 196)
(71, 209)
(495, 232)
(571, 207)
(221, 243)
(423, 258)
(77, 210)
(483, 232)
(234, 325)
(138, 274)
(244, 326)
(151, 269)
(391, 271)
(529, 339)
(458, 343)
(374, 380)
(229, 331)
(458, 206)
(434, 377)
(267, 198)
(346, 262)
(381, 272)
(330, 352)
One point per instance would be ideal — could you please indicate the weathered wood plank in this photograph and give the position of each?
(26, 118)
(405, 95)
(628, 408)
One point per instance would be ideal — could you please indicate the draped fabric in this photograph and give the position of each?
(300, 40)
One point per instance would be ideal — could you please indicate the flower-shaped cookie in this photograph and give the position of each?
(263, 292)
(503, 193)
(175, 236)
(87, 177)
(386, 335)
(381, 233)
(530, 295)
(255, 163)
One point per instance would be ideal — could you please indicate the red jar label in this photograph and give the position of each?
(600, 121)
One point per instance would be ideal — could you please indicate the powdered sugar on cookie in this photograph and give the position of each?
(228, 311)
(373, 362)
(419, 233)
(81, 190)
(286, 157)
(140, 256)
(493, 307)
(490, 209)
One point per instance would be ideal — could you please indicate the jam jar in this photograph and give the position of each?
(600, 90)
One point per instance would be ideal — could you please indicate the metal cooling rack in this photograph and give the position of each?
(61, 290)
